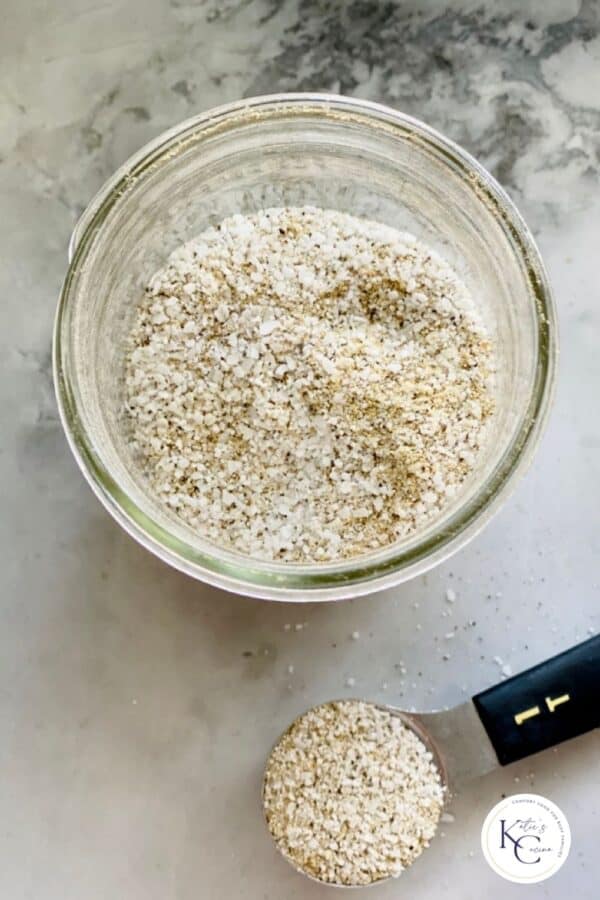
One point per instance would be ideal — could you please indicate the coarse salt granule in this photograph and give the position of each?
(351, 794)
(303, 385)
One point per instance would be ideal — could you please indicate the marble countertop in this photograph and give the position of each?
(136, 706)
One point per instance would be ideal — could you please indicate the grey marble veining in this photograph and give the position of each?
(136, 707)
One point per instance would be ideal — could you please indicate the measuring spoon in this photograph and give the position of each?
(536, 709)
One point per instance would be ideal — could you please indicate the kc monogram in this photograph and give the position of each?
(526, 838)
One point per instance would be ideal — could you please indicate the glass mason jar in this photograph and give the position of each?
(290, 150)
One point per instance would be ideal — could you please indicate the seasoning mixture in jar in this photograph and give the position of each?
(306, 386)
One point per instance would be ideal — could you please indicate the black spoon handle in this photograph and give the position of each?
(545, 705)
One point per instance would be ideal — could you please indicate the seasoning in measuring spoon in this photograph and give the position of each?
(351, 794)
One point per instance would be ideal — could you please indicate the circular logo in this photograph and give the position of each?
(526, 838)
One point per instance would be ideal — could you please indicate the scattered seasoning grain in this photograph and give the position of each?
(351, 794)
(304, 385)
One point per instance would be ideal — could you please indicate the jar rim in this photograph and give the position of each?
(387, 566)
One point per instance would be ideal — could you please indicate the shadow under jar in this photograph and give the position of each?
(296, 150)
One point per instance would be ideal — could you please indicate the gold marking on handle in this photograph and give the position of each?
(552, 703)
(527, 714)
